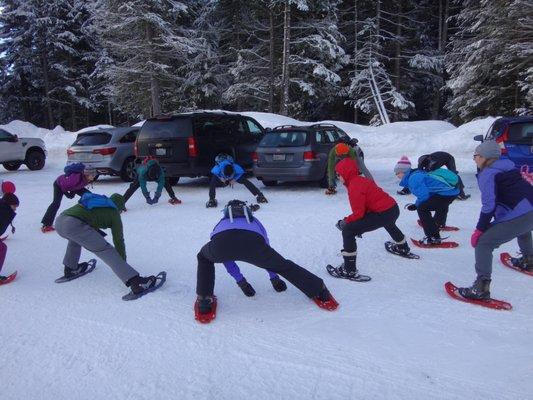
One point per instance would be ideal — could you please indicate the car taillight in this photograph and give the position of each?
(70, 152)
(310, 156)
(502, 139)
(107, 151)
(193, 150)
(255, 157)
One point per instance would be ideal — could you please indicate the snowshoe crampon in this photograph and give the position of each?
(10, 278)
(453, 291)
(160, 279)
(507, 260)
(389, 246)
(90, 268)
(205, 318)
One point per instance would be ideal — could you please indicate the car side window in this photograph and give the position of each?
(321, 137)
(214, 129)
(239, 130)
(493, 132)
(129, 137)
(254, 129)
(5, 136)
(331, 136)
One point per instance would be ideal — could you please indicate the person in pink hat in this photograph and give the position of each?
(402, 166)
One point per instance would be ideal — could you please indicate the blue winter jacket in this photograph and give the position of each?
(219, 168)
(423, 186)
(505, 195)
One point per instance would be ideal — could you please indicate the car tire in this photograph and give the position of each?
(128, 172)
(35, 160)
(173, 180)
(12, 166)
(270, 183)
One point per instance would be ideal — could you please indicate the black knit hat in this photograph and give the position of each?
(11, 199)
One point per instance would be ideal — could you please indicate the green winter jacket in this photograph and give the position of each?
(333, 159)
(141, 176)
(103, 218)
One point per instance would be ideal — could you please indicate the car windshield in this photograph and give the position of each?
(166, 128)
(284, 139)
(92, 139)
(521, 133)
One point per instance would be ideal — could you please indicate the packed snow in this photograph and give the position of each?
(397, 337)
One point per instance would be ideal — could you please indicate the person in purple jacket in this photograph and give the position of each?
(240, 236)
(506, 214)
(71, 183)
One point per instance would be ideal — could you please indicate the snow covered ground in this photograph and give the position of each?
(397, 337)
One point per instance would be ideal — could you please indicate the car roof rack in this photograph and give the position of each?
(324, 124)
(287, 126)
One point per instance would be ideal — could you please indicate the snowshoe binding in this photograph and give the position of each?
(454, 292)
(205, 309)
(212, 203)
(325, 300)
(4, 280)
(174, 201)
(401, 249)
(83, 269)
(434, 243)
(522, 264)
(47, 228)
(143, 285)
(261, 198)
(340, 272)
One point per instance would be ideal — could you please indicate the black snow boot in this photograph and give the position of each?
(463, 196)
(431, 240)
(246, 288)
(82, 267)
(139, 284)
(211, 203)
(205, 304)
(261, 198)
(347, 269)
(278, 284)
(525, 263)
(404, 191)
(480, 290)
(401, 247)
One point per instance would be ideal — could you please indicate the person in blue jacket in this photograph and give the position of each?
(240, 236)
(434, 191)
(506, 214)
(225, 173)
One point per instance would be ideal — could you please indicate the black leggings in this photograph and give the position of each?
(440, 205)
(50, 214)
(135, 185)
(216, 182)
(250, 247)
(371, 222)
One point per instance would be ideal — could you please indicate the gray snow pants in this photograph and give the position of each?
(498, 234)
(80, 234)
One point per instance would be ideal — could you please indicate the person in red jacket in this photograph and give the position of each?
(372, 208)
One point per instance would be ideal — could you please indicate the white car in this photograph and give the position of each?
(15, 151)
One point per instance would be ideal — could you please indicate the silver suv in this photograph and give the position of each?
(110, 151)
(15, 151)
(296, 153)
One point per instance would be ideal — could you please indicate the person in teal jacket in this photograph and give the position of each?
(434, 191)
(150, 170)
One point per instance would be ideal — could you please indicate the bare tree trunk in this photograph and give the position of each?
(398, 51)
(271, 56)
(73, 123)
(355, 55)
(286, 54)
(445, 24)
(155, 108)
(46, 79)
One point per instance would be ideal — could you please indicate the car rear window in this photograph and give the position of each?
(92, 139)
(285, 139)
(166, 129)
(521, 133)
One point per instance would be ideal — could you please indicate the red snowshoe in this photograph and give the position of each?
(452, 290)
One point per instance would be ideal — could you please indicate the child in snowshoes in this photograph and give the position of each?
(372, 209)
(439, 159)
(233, 269)
(339, 152)
(225, 173)
(240, 236)
(506, 214)
(150, 170)
(71, 183)
(81, 225)
(8, 206)
(435, 191)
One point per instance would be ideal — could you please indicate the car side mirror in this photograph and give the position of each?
(14, 138)
(478, 138)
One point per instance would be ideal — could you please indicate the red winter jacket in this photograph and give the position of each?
(365, 196)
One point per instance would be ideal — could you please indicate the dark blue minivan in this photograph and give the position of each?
(515, 137)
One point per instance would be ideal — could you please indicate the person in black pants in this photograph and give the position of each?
(239, 236)
(438, 159)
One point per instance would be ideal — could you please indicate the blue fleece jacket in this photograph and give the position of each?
(423, 186)
(218, 170)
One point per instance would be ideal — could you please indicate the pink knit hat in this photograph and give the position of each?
(403, 165)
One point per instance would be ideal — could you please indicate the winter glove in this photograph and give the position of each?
(156, 199)
(410, 207)
(148, 199)
(13, 230)
(70, 195)
(330, 191)
(340, 224)
(475, 237)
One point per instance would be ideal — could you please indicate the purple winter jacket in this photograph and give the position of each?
(72, 182)
(505, 195)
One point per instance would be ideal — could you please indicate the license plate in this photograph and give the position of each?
(160, 152)
(278, 157)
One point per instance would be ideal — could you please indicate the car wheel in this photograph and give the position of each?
(173, 180)
(12, 166)
(128, 173)
(35, 160)
(270, 183)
